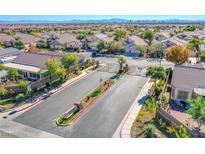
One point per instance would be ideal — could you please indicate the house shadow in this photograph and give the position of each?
(173, 106)
(142, 100)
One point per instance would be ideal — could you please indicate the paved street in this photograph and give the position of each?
(104, 117)
(137, 61)
(101, 120)
(42, 116)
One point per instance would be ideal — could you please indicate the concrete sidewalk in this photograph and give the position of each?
(124, 128)
(14, 129)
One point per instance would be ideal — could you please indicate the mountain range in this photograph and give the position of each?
(113, 20)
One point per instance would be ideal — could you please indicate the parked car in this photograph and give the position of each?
(182, 104)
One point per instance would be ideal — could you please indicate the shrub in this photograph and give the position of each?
(171, 130)
(20, 97)
(161, 122)
(95, 93)
(23, 85)
(150, 131)
(140, 117)
(182, 132)
(151, 105)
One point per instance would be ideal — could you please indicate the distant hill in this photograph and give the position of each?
(113, 20)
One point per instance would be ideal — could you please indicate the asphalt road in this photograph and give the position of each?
(42, 116)
(101, 120)
(140, 62)
(104, 117)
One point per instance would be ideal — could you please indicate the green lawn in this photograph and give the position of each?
(5, 102)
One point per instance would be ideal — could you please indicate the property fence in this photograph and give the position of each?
(174, 122)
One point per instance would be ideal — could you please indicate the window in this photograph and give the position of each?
(34, 76)
(183, 95)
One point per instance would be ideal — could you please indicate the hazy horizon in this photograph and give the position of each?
(13, 18)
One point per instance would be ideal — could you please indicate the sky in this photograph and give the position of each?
(98, 17)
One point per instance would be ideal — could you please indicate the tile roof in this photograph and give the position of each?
(188, 76)
(36, 59)
(6, 52)
(26, 38)
(5, 37)
(67, 38)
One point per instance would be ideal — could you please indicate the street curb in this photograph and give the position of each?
(58, 90)
(122, 131)
(82, 112)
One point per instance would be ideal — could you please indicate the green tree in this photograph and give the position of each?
(155, 51)
(11, 33)
(3, 91)
(42, 44)
(116, 47)
(197, 110)
(195, 44)
(13, 73)
(150, 131)
(1, 67)
(69, 59)
(102, 46)
(23, 85)
(81, 36)
(189, 28)
(202, 56)
(19, 44)
(182, 132)
(121, 60)
(148, 35)
(156, 73)
(142, 49)
(55, 68)
(120, 34)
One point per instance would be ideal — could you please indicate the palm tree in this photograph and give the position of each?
(121, 61)
(156, 73)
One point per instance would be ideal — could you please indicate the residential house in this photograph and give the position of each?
(160, 37)
(8, 54)
(130, 45)
(27, 39)
(188, 81)
(7, 40)
(64, 41)
(32, 65)
(92, 41)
